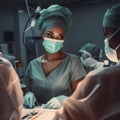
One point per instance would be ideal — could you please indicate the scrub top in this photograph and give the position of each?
(58, 82)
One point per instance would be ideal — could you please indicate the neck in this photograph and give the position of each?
(54, 57)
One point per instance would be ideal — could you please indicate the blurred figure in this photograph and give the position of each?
(54, 76)
(5, 54)
(90, 56)
(11, 96)
(97, 97)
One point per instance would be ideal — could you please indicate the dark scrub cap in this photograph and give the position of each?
(112, 17)
(54, 15)
(92, 49)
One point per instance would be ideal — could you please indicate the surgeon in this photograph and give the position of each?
(90, 56)
(11, 95)
(54, 76)
(97, 97)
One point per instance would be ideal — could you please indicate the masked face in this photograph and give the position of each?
(109, 52)
(52, 45)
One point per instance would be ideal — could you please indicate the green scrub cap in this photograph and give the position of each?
(54, 15)
(92, 49)
(112, 17)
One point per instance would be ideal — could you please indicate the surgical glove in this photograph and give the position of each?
(29, 100)
(55, 102)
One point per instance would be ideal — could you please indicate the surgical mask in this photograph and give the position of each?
(109, 52)
(52, 45)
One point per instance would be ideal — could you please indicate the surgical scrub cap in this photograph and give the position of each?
(54, 15)
(112, 17)
(92, 49)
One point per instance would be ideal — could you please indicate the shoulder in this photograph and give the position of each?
(73, 57)
(5, 67)
(4, 62)
(105, 72)
(7, 70)
(35, 61)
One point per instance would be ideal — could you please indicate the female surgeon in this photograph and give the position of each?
(54, 76)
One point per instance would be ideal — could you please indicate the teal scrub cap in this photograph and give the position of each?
(92, 49)
(54, 15)
(112, 17)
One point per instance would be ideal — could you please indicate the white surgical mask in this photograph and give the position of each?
(52, 45)
(109, 52)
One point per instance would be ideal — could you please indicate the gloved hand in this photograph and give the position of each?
(29, 100)
(55, 102)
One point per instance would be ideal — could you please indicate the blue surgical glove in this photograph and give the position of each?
(29, 100)
(55, 102)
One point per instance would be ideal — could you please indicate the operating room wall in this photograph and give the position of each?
(9, 22)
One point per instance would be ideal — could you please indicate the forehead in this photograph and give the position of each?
(55, 30)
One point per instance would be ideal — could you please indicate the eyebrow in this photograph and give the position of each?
(53, 33)
(49, 32)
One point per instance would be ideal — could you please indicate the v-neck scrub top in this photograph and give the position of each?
(58, 82)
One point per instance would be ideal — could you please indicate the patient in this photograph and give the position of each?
(11, 96)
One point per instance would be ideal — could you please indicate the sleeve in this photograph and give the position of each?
(77, 70)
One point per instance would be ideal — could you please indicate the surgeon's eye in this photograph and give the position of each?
(61, 37)
(48, 35)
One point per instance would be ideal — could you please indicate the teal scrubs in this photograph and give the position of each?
(58, 82)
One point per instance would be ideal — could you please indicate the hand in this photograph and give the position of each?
(29, 99)
(55, 102)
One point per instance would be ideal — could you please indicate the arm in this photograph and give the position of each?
(75, 83)
(29, 97)
(78, 105)
(77, 73)
(11, 96)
